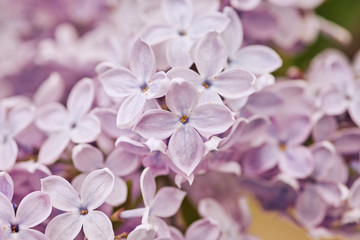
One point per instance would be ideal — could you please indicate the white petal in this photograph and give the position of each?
(87, 129)
(142, 232)
(6, 185)
(87, 158)
(119, 193)
(7, 214)
(130, 110)
(97, 226)
(178, 13)
(19, 118)
(51, 90)
(182, 97)
(142, 61)
(178, 52)
(8, 154)
(52, 117)
(63, 196)
(30, 234)
(65, 226)
(233, 34)
(53, 147)
(96, 188)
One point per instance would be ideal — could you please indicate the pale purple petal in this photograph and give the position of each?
(214, 21)
(234, 84)
(33, 209)
(52, 117)
(178, 52)
(142, 232)
(158, 33)
(51, 90)
(185, 73)
(121, 162)
(347, 141)
(158, 86)
(354, 109)
(310, 208)
(8, 154)
(211, 119)
(297, 162)
(130, 110)
(81, 98)
(214, 212)
(332, 100)
(186, 149)
(7, 214)
(158, 124)
(119, 194)
(19, 118)
(245, 5)
(167, 202)
(261, 159)
(202, 229)
(96, 188)
(107, 118)
(147, 186)
(64, 226)
(330, 193)
(142, 61)
(87, 129)
(119, 82)
(98, 226)
(52, 148)
(354, 197)
(131, 145)
(324, 128)
(209, 96)
(6, 185)
(324, 159)
(30, 234)
(87, 158)
(233, 34)
(178, 13)
(182, 97)
(62, 194)
(257, 59)
(210, 55)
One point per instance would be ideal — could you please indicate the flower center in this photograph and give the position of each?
(84, 211)
(282, 146)
(182, 32)
(14, 228)
(184, 119)
(144, 87)
(206, 84)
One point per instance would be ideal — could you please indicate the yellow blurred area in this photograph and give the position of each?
(270, 226)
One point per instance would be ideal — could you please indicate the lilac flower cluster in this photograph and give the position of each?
(118, 118)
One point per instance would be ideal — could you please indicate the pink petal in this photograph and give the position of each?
(297, 162)
(234, 84)
(62, 194)
(121, 162)
(98, 226)
(182, 97)
(310, 208)
(81, 98)
(87, 158)
(119, 193)
(245, 5)
(52, 117)
(167, 202)
(30, 234)
(158, 33)
(8, 154)
(257, 59)
(7, 210)
(178, 52)
(157, 123)
(233, 34)
(33, 209)
(6, 185)
(186, 149)
(211, 119)
(119, 82)
(96, 187)
(51, 90)
(147, 186)
(202, 229)
(210, 55)
(52, 148)
(214, 21)
(87, 129)
(130, 110)
(142, 61)
(178, 13)
(64, 226)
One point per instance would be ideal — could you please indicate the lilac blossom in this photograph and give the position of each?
(80, 211)
(182, 29)
(137, 85)
(73, 123)
(185, 124)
